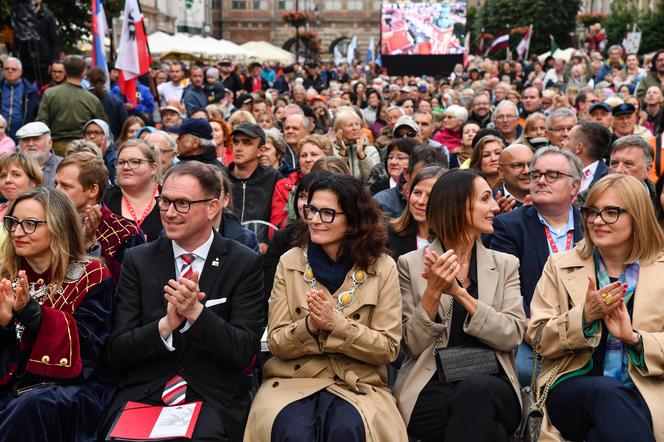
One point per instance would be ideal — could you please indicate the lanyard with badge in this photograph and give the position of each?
(554, 247)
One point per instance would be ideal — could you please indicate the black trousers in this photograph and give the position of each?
(598, 408)
(479, 408)
(321, 417)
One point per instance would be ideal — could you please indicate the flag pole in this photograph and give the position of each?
(530, 38)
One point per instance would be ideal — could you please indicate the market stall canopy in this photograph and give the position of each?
(162, 44)
(267, 52)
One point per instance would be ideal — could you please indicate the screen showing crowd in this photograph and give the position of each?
(422, 28)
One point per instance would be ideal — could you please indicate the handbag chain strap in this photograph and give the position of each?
(446, 320)
(554, 372)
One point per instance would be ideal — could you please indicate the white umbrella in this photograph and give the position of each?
(267, 52)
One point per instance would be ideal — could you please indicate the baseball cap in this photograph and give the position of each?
(243, 99)
(170, 108)
(197, 127)
(251, 130)
(600, 105)
(34, 129)
(405, 121)
(623, 109)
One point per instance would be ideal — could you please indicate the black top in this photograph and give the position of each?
(151, 225)
(457, 335)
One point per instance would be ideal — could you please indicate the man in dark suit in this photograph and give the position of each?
(590, 141)
(169, 322)
(531, 233)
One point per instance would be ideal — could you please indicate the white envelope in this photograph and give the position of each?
(213, 302)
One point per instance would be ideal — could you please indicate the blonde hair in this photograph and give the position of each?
(64, 225)
(26, 163)
(241, 116)
(321, 141)
(647, 237)
(148, 152)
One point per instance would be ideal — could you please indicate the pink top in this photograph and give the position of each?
(7, 145)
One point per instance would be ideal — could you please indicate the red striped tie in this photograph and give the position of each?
(187, 269)
(175, 391)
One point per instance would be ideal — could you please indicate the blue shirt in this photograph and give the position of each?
(559, 236)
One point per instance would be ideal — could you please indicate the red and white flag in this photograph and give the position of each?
(501, 43)
(466, 49)
(524, 44)
(133, 58)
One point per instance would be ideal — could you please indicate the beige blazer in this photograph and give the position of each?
(348, 362)
(499, 321)
(558, 302)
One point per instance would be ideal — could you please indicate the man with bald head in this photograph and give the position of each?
(296, 127)
(513, 164)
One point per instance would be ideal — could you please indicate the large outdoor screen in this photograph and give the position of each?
(423, 27)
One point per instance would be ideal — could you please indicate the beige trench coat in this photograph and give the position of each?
(349, 362)
(559, 299)
(499, 321)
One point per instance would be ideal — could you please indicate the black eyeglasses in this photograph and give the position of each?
(410, 134)
(550, 175)
(181, 206)
(326, 215)
(27, 225)
(609, 215)
(134, 163)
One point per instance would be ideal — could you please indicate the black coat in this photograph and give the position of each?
(48, 46)
(213, 353)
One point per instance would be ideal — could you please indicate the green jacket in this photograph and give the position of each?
(66, 108)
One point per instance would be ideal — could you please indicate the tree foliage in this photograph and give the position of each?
(556, 18)
(73, 17)
(624, 14)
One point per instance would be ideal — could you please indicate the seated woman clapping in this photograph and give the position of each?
(334, 323)
(55, 311)
(600, 313)
(462, 318)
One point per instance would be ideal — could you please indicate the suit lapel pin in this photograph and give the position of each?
(215, 262)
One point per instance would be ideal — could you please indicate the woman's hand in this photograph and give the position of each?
(340, 143)
(321, 311)
(6, 302)
(22, 292)
(620, 325)
(359, 145)
(599, 303)
(440, 271)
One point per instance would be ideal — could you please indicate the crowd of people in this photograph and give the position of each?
(413, 250)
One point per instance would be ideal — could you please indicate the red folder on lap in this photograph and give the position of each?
(153, 422)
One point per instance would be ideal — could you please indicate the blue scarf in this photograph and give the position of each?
(329, 273)
(615, 357)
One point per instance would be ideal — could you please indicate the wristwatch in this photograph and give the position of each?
(639, 343)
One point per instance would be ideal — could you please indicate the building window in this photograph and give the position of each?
(239, 4)
(284, 4)
(355, 5)
(333, 5)
(260, 5)
(377, 4)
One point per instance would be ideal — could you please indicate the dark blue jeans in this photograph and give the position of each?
(599, 409)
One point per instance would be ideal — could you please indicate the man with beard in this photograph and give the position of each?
(481, 110)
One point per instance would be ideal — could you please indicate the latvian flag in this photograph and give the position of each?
(501, 42)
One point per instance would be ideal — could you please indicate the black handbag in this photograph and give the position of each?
(461, 362)
(531, 417)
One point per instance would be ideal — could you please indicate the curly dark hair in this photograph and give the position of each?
(366, 238)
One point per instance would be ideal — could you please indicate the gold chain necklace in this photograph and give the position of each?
(345, 299)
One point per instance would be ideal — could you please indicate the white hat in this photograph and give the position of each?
(406, 121)
(34, 129)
